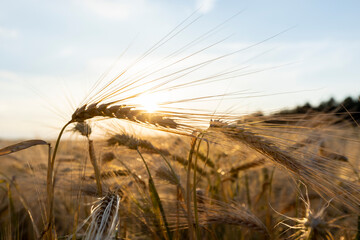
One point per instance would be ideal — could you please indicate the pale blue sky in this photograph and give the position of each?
(52, 51)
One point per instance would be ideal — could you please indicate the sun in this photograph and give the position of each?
(149, 102)
(150, 106)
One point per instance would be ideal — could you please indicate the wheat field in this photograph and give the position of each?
(237, 184)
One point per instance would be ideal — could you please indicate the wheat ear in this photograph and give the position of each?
(121, 112)
(133, 143)
(319, 174)
(104, 218)
(218, 212)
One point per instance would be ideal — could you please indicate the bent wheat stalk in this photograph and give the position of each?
(21, 146)
(319, 173)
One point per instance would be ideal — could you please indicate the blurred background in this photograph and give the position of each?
(53, 52)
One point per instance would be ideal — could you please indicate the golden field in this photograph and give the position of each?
(253, 180)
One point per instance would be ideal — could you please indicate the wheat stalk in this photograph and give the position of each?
(85, 130)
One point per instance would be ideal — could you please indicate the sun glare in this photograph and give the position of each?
(149, 102)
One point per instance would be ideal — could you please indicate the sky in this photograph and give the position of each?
(53, 52)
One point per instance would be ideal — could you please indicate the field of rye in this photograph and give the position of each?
(196, 174)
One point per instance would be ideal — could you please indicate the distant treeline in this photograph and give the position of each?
(348, 109)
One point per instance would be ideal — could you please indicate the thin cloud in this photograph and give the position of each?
(205, 6)
(66, 52)
(115, 10)
(8, 33)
